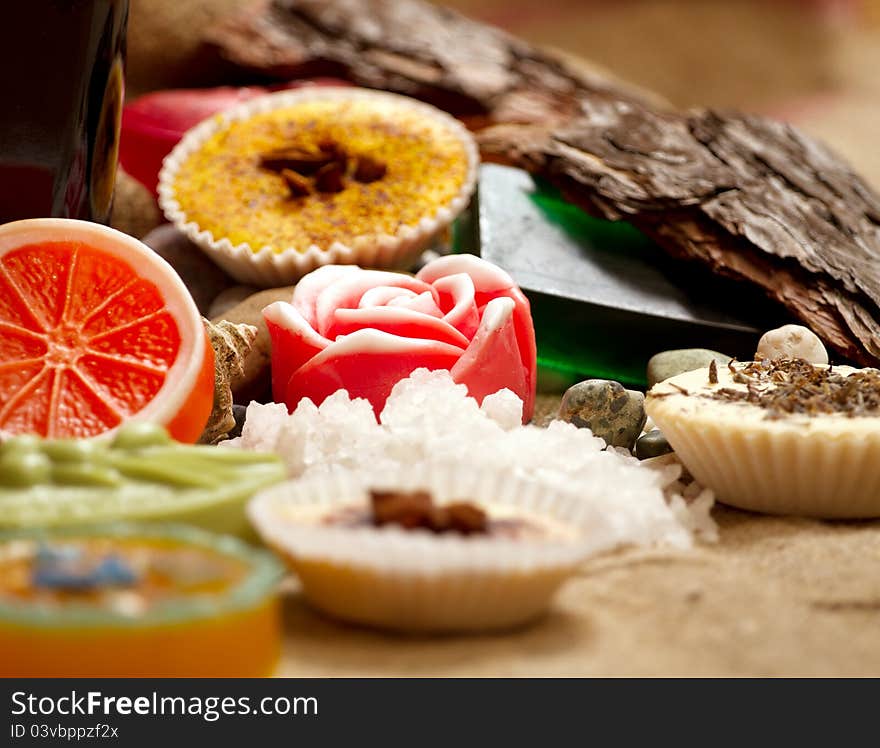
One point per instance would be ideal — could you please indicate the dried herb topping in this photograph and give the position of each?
(786, 386)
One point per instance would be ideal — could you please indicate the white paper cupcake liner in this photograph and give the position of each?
(273, 266)
(821, 466)
(415, 580)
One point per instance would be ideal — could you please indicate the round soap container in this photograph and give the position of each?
(136, 601)
(277, 186)
(801, 457)
(411, 580)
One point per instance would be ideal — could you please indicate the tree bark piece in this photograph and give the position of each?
(414, 48)
(754, 199)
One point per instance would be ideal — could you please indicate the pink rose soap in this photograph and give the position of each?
(365, 330)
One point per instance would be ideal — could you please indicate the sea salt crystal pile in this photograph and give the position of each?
(428, 418)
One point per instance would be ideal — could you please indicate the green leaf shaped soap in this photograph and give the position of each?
(142, 474)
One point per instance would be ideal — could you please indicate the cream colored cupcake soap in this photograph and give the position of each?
(430, 550)
(782, 436)
(279, 185)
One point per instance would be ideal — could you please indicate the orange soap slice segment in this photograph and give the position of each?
(96, 329)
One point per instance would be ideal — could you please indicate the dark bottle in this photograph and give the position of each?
(61, 91)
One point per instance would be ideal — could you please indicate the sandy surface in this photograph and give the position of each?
(776, 596)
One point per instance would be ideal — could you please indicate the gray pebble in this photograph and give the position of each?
(201, 276)
(667, 364)
(228, 298)
(652, 444)
(610, 411)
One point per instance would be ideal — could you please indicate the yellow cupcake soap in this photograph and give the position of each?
(282, 184)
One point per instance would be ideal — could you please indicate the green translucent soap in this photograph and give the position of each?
(142, 474)
(604, 296)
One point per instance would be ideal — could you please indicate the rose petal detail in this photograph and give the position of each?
(382, 295)
(458, 296)
(424, 303)
(363, 330)
(347, 290)
(528, 348)
(491, 282)
(294, 342)
(492, 361)
(400, 321)
(487, 278)
(367, 363)
(310, 287)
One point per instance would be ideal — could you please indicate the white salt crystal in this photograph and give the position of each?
(342, 432)
(262, 427)
(504, 407)
(429, 419)
(428, 394)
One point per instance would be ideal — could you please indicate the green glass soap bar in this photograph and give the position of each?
(604, 297)
(142, 474)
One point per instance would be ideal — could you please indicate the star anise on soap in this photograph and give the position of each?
(369, 169)
(417, 510)
(298, 185)
(460, 516)
(302, 160)
(330, 178)
(321, 168)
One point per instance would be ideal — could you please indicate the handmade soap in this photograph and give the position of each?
(782, 436)
(132, 601)
(288, 182)
(365, 330)
(604, 297)
(142, 474)
(96, 329)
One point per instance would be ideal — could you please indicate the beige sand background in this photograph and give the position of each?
(774, 596)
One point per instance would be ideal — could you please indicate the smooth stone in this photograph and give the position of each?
(667, 364)
(792, 341)
(200, 275)
(255, 380)
(607, 408)
(652, 444)
(228, 298)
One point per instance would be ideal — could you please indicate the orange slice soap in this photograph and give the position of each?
(95, 329)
